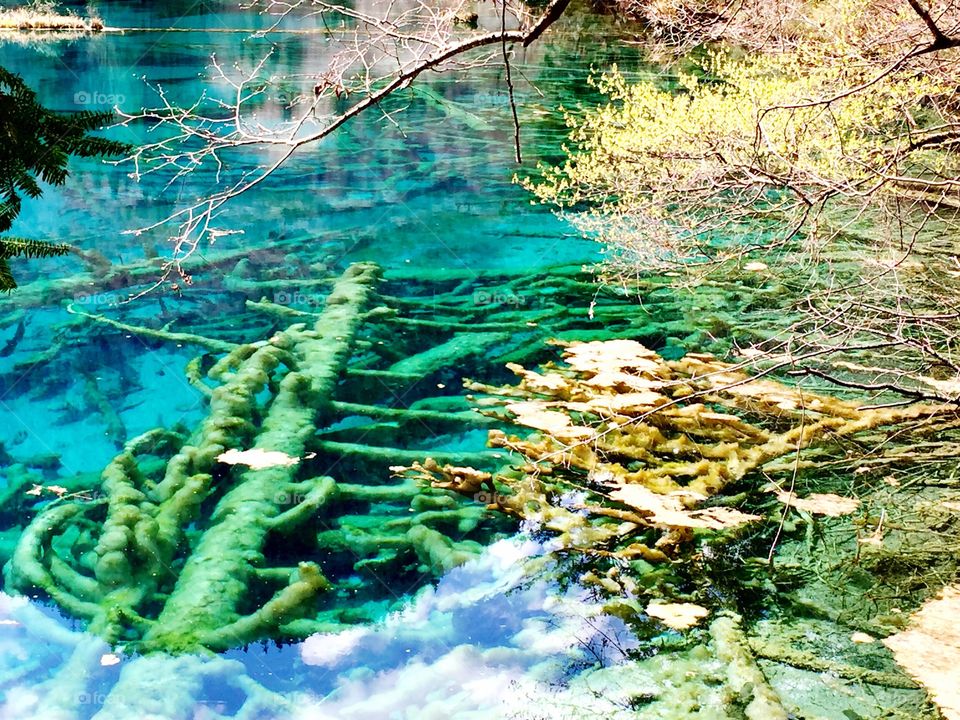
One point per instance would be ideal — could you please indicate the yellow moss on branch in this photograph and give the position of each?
(644, 441)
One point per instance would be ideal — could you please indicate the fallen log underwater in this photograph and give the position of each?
(176, 554)
(145, 567)
(175, 550)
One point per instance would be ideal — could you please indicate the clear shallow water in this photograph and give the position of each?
(485, 642)
(433, 196)
(436, 193)
(400, 633)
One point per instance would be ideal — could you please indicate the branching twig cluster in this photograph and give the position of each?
(828, 150)
(374, 53)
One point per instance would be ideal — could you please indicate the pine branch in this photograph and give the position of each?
(36, 144)
(7, 283)
(23, 247)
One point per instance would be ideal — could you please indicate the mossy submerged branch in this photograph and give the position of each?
(149, 581)
(766, 649)
(216, 577)
(760, 700)
(211, 344)
(388, 455)
(469, 418)
(646, 441)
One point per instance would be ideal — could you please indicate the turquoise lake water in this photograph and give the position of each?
(434, 195)
(147, 576)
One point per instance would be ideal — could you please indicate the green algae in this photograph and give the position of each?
(141, 575)
(172, 549)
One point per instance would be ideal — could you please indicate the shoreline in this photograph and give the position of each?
(26, 21)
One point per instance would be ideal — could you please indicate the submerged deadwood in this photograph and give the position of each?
(645, 442)
(215, 537)
(217, 574)
(123, 563)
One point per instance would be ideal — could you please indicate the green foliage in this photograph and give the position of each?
(35, 146)
(24, 247)
(6, 277)
(772, 136)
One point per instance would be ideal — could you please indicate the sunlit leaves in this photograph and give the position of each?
(766, 134)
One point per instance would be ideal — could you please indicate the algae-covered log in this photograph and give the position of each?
(743, 676)
(142, 531)
(184, 546)
(203, 607)
(215, 578)
(456, 349)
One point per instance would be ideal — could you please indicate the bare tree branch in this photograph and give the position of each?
(378, 56)
(940, 40)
